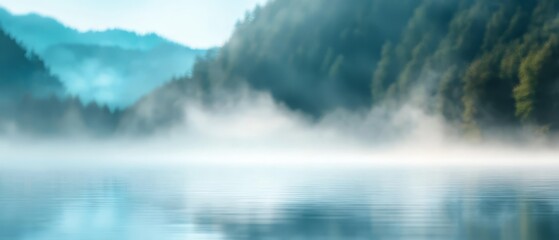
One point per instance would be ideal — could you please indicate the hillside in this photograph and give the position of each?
(32, 102)
(22, 73)
(112, 67)
(483, 65)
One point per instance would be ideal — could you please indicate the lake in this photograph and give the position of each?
(280, 203)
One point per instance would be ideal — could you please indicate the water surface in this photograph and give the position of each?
(280, 203)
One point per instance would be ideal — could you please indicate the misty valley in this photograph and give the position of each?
(302, 119)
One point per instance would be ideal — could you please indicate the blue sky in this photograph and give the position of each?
(197, 23)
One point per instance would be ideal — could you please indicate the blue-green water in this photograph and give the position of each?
(280, 203)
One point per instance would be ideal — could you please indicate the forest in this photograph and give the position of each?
(33, 101)
(486, 66)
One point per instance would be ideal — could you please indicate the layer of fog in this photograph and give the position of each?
(251, 128)
(115, 76)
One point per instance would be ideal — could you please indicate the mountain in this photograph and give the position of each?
(314, 56)
(113, 67)
(484, 65)
(22, 73)
(39, 33)
(116, 76)
(32, 101)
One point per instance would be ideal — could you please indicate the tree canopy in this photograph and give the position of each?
(481, 64)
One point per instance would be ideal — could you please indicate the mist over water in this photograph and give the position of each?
(244, 166)
(317, 119)
(249, 127)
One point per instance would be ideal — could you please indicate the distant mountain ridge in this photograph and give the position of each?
(39, 32)
(114, 67)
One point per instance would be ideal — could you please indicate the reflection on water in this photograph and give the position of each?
(280, 204)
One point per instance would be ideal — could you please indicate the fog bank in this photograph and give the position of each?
(250, 128)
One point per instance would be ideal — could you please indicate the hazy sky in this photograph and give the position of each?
(197, 23)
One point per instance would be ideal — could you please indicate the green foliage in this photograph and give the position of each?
(385, 71)
(491, 57)
(314, 56)
(538, 76)
(482, 64)
(450, 91)
(336, 67)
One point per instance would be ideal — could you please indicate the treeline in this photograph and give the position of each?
(33, 102)
(481, 64)
(22, 72)
(486, 64)
(315, 55)
(54, 116)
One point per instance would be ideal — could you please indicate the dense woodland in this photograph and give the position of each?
(22, 73)
(483, 65)
(32, 100)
